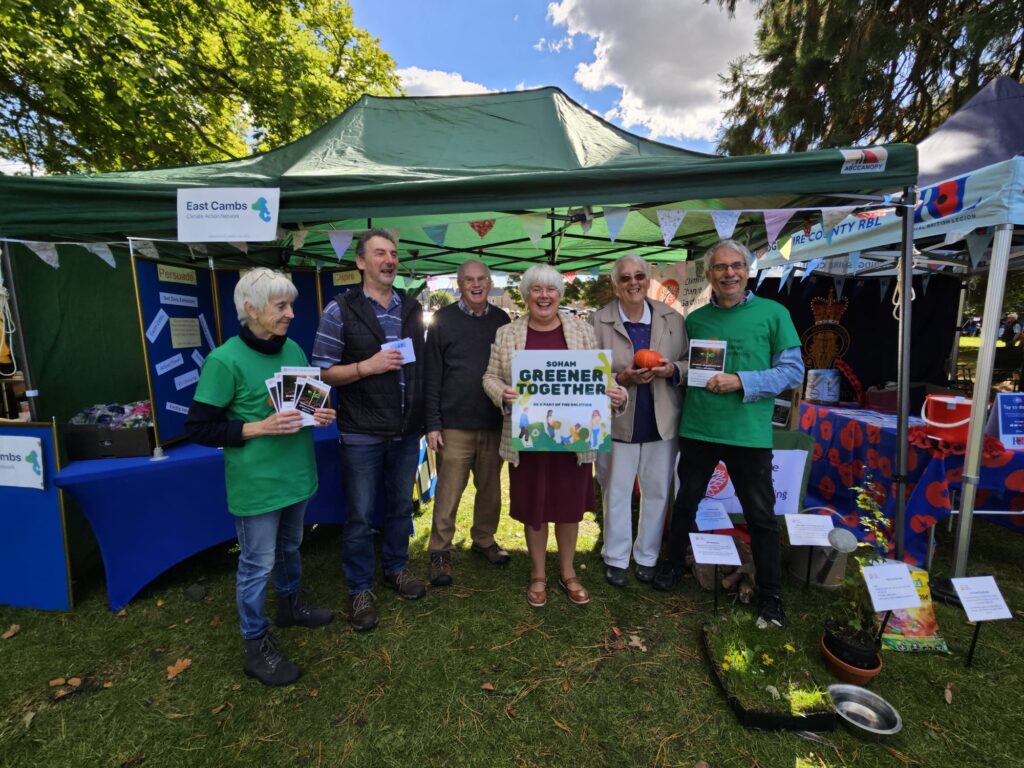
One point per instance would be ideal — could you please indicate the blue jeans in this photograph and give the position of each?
(365, 469)
(270, 547)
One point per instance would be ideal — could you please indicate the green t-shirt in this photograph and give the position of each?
(755, 331)
(266, 473)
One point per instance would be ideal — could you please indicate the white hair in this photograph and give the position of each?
(629, 257)
(543, 275)
(732, 245)
(257, 287)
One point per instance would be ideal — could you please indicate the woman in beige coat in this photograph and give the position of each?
(544, 487)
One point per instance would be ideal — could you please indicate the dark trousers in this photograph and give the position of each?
(750, 470)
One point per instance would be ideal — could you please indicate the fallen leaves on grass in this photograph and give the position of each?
(11, 632)
(121, 614)
(28, 718)
(74, 682)
(314, 693)
(177, 715)
(510, 712)
(57, 681)
(562, 725)
(566, 684)
(948, 692)
(899, 756)
(178, 667)
(160, 603)
(218, 709)
(489, 687)
(215, 621)
(133, 761)
(636, 642)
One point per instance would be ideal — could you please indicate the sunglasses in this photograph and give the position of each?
(638, 276)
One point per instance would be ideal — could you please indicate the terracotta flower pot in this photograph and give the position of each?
(846, 672)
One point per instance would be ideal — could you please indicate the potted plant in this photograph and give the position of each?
(850, 643)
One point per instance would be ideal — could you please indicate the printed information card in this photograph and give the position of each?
(891, 587)
(707, 358)
(809, 530)
(714, 549)
(981, 598)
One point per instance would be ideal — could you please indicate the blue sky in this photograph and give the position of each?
(649, 66)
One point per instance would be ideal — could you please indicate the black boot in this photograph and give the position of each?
(267, 664)
(293, 611)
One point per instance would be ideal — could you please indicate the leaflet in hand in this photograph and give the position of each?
(405, 347)
(298, 388)
(707, 359)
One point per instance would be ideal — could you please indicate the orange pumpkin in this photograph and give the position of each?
(646, 358)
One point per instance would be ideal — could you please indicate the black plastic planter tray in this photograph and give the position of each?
(767, 721)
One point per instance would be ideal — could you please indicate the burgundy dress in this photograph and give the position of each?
(549, 487)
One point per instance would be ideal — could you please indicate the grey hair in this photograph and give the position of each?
(467, 262)
(364, 238)
(544, 275)
(732, 245)
(257, 287)
(619, 262)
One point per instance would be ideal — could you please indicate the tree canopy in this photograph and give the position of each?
(103, 85)
(846, 72)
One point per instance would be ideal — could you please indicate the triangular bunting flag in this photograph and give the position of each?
(839, 282)
(669, 220)
(438, 283)
(482, 227)
(103, 251)
(592, 271)
(786, 249)
(925, 278)
(299, 239)
(534, 225)
(396, 233)
(242, 246)
(47, 252)
(570, 277)
(854, 261)
(436, 233)
(774, 220)
(832, 216)
(955, 236)
(147, 249)
(810, 267)
(725, 222)
(977, 243)
(883, 287)
(341, 239)
(615, 218)
(760, 279)
(787, 272)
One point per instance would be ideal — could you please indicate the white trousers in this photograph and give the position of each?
(616, 471)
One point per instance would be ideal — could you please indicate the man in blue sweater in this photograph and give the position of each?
(462, 424)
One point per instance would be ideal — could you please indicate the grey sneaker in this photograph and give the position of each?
(441, 569)
(265, 662)
(406, 584)
(362, 611)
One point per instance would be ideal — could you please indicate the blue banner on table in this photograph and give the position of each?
(34, 571)
(179, 330)
(562, 403)
(303, 327)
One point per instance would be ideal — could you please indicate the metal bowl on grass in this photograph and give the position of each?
(865, 713)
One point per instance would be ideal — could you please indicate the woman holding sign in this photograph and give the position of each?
(544, 487)
(635, 327)
(269, 465)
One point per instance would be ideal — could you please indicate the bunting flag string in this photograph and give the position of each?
(669, 220)
(148, 249)
(103, 251)
(47, 252)
(299, 239)
(436, 233)
(725, 222)
(839, 283)
(977, 243)
(482, 227)
(832, 216)
(614, 218)
(340, 239)
(774, 220)
(534, 225)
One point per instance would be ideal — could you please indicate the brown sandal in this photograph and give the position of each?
(537, 597)
(574, 590)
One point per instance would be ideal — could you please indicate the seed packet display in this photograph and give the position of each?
(289, 380)
(310, 394)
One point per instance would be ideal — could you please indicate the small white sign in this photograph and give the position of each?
(707, 359)
(175, 408)
(405, 347)
(891, 587)
(197, 358)
(714, 549)
(981, 598)
(711, 516)
(21, 462)
(206, 331)
(809, 530)
(186, 379)
(228, 214)
(178, 300)
(169, 364)
(156, 326)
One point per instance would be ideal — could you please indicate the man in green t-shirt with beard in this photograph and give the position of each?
(729, 418)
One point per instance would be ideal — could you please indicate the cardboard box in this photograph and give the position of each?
(95, 441)
(887, 399)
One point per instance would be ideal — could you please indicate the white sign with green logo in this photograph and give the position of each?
(228, 214)
(563, 402)
(21, 462)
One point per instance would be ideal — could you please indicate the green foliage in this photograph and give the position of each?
(854, 605)
(438, 299)
(115, 84)
(842, 72)
(1013, 294)
(597, 293)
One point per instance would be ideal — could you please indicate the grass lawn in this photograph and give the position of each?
(471, 676)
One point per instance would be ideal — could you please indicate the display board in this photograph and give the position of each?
(177, 318)
(307, 307)
(336, 281)
(34, 569)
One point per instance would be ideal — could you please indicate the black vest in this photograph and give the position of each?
(371, 405)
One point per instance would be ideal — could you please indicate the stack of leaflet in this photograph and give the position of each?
(298, 388)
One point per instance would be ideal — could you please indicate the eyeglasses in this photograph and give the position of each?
(638, 276)
(539, 290)
(735, 266)
(474, 280)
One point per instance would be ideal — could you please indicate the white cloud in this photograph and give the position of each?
(435, 82)
(539, 45)
(664, 56)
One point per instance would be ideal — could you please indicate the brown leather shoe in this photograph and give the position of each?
(495, 555)
(536, 593)
(574, 590)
